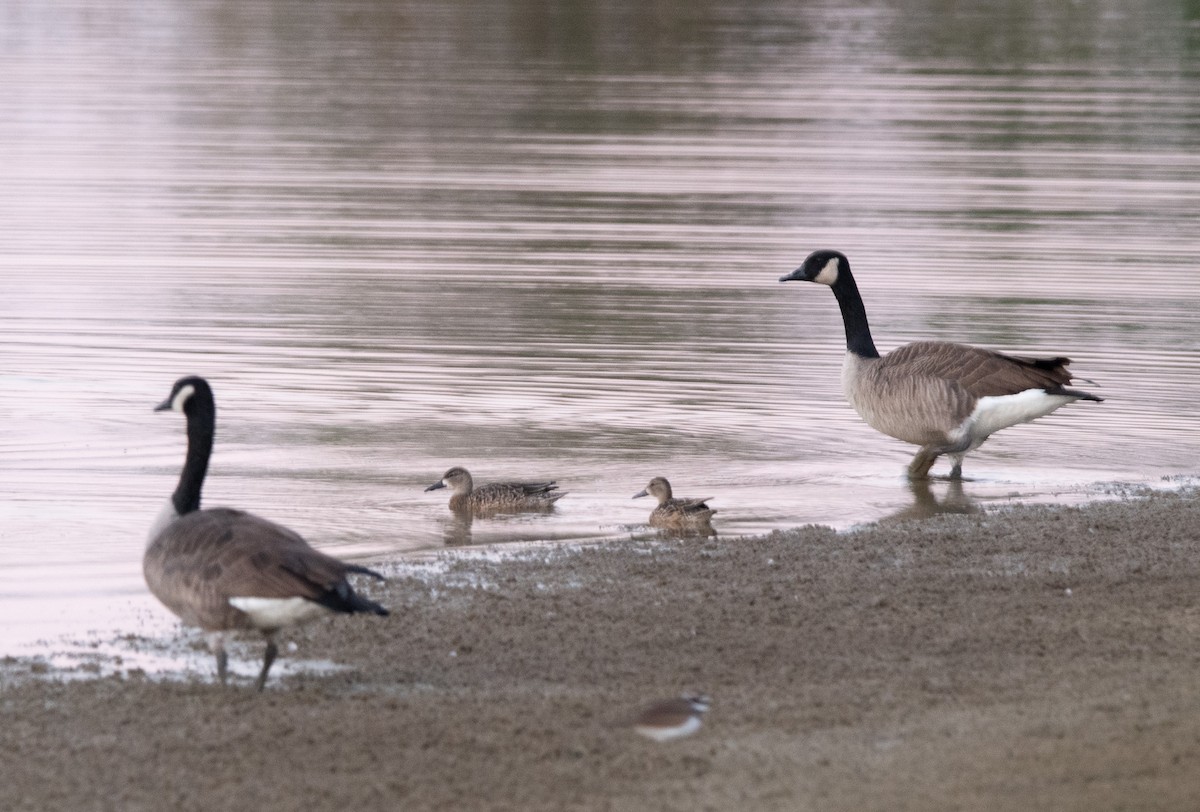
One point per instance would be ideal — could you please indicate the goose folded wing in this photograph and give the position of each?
(980, 372)
(226, 553)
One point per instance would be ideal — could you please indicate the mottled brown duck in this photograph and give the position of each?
(496, 497)
(677, 514)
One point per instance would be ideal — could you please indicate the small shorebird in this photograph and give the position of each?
(225, 570)
(946, 398)
(672, 718)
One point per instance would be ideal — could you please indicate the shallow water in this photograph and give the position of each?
(545, 243)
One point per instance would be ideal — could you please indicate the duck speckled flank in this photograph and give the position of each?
(496, 497)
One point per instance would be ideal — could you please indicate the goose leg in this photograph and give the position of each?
(216, 642)
(922, 462)
(268, 658)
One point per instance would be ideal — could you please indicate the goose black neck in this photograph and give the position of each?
(854, 316)
(201, 415)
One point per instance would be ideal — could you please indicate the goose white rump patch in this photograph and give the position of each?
(275, 613)
(1001, 411)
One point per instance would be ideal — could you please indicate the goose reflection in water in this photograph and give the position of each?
(926, 504)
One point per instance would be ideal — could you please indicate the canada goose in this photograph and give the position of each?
(672, 718)
(495, 497)
(223, 569)
(677, 514)
(946, 398)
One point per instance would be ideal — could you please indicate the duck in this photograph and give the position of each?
(943, 397)
(495, 497)
(224, 570)
(691, 515)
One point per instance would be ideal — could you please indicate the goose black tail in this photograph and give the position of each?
(342, 598)
(357, 570)
(1074, 393)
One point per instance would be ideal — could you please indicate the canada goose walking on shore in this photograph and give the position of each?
(677, 513)
(225, 570)
(495, 497)
(946, 398)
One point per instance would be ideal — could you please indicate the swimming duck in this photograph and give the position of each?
(677, 514)
(496, 497)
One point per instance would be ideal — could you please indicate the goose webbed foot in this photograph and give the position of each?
(951, 477)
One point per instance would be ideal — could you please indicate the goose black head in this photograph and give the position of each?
(821, 266)
(185, 392)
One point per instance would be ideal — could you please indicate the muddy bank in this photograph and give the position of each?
(1036, 658)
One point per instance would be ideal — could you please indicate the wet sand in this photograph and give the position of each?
(1033, 658)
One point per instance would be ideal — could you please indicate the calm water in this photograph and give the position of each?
(542, 241)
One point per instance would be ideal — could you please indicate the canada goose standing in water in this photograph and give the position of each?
(495, 497)
(223, 569)
(946, 398)
(677, 514)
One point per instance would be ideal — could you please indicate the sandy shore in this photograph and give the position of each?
(1036, 658)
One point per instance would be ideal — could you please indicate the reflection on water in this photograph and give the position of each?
(456, 530)
(927, 504)
(461, 528)
(543, 241)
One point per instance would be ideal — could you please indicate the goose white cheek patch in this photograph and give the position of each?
(181, 397)
(828, 274)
